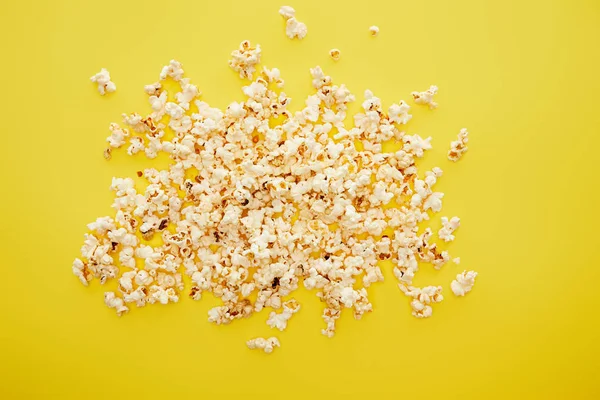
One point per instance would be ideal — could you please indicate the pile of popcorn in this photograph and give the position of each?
(250, 209)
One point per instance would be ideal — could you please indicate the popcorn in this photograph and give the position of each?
(245, 59)
(448, 226)
(117, 136)
(280, 320)
(426, 97)
(295, 29)
(459, 147)
(334, 54)
(287, 12)
(258, 201)
(112, 301)
(266, 345)
(174, 71)
(422, 298)
(463, 283)
(456, 260)
(374, 29)
(105, 85)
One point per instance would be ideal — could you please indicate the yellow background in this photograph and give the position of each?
(523, 76)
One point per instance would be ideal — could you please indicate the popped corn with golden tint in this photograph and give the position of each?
(250, 209)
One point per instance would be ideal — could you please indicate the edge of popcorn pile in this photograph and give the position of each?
(245, 59)
(246, 208)
(293, 28)
(102, 79)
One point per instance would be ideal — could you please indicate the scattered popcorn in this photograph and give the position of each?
(374, 30)
(448, 226)
(266, 345)
(456, 260)
(105, 85)
(426, 97)
(463, 283)
(459, 147)
(247, 206)
(245, 59)
(334, 54)
(287, 12)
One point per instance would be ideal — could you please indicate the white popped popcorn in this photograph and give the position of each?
(287, 12)
(456, 260)
(463, 283)
(448, 226)
(426, 97)
(295, 28)
(459, 147)
(334, 54)
(105, 85)
(112, 301)
(374, 29)
(258, 201)
(422, 298)
(279, 320)
(245, 59)
(266, 345)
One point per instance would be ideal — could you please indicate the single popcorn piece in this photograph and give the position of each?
(105, 85)
(448, 226)
(459, 147)
(426, 97)
(245, 59)
(287, 12)
(463, 283)
(456, 260)
(374, 29)
(266, 345)
(295, 29)
(334, 54)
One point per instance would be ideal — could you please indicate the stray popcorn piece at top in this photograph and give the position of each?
(266, 345)
(287, 12)
(463, 283)
(374, 29)
(459, 147)
(105, 85)
(448, 226)
(426, 97)
(293, 27)
(334, 54)
(245, 59)
(246, 204)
